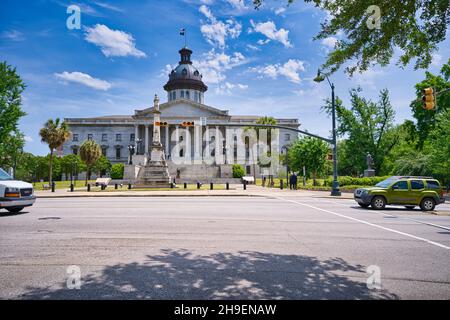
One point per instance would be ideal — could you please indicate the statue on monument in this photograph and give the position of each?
(370, 172)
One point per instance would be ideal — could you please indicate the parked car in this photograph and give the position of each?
(15, 195)
(407, 191)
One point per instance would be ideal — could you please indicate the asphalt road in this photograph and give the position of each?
(222, 248)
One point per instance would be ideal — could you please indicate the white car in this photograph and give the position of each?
(15, 195)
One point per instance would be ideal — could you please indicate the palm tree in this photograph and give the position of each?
(55, 134)
(90, 152)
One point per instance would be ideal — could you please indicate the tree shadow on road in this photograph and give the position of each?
(180, 274)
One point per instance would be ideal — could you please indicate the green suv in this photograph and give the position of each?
(407, 191)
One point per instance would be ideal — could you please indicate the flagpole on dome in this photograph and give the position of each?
(183, 33)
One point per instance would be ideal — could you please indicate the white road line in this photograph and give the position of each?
(401, 218)
(369, 224)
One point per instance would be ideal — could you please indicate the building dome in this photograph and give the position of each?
(185, 76)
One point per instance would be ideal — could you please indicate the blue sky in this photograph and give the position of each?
(255, 62)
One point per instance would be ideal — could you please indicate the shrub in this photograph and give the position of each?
(238, 171)
(352, 181)
(117, 171)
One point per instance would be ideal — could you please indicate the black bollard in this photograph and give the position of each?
(228, 186)
(198, 185)
(172, 185)
(53, 187)
(129, 186)
(211, 186)
(245, 185)
(281, 184)
(89, 187)
(71, 187)
(116, 186)
(185, 185)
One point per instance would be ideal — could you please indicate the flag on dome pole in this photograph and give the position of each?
(183, 33)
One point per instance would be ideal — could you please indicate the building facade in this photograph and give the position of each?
(185, 103)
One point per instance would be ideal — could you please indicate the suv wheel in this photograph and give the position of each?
(378, 203)
(428, 204)
(15, 209)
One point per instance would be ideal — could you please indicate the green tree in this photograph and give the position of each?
(90, 152)
(310, 153)
(117, 171)
(55, 134)
(426, 119)
(414, 26)
(72, 162)
(11, 150)
(367, 126)
(11, 88)
(238, 171)
(102, 166)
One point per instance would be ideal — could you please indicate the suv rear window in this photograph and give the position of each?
(417, 185)
(433, 184)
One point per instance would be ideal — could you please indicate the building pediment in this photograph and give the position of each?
(183, 107)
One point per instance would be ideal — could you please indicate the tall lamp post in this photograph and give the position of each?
(131, 150)
(321, 77)
(285, 149)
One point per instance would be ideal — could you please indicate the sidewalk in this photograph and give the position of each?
(236, 191)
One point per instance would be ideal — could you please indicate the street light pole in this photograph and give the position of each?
(335, 187)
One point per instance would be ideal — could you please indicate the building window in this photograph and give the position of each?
(196, 96)
(118, 153)
(118, 137)
(181, 153)
(104, 151)
(90, 136)
(187, 95)
(75, 150)
(174, 95)
(184, 72)
(132, 137)
(248, 170)
(182, 94)
(287, 137)
(104, 137)
(75, 137)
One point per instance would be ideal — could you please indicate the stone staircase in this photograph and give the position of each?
(153, 176)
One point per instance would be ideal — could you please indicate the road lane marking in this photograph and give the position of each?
(370, 224)
(399, 217)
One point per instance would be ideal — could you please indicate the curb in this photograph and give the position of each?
(146, 196)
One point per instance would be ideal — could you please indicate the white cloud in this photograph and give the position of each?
(269, 29)
(28, 139)
(237, 4)
(262, 42)
(215, 31)
(13, 35)
(113, 43)
(252, 47)
(213, 65)
(329, 42)
(290, 70)
(436, 60)
(279, 10)
(84, 79)
(108, 6)
(227, 87)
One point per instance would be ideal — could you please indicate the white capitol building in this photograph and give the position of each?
(186, 103)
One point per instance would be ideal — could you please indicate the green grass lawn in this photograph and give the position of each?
(61, 184)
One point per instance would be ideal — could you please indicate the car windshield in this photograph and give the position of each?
(386, 183)
(4, 175)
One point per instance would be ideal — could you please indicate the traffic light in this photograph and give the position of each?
(429, 99)
(161, 124)
(187, 124)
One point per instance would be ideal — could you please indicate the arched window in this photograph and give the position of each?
(184, 72)
(181, 153)
(196, 96)
(187, 95)
(182, 94)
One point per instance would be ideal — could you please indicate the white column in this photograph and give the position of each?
(167, 142)
(207, 153)
(146, 139)
(188, 152)
(197, 144)
(177, 142)
(136, 136)
(218, 152)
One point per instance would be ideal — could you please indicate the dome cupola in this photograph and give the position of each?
(185, 81)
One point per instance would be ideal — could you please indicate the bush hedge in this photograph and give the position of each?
(351, 181)
(238, 171)
(117, 171)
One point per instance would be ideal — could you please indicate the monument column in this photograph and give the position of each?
(146, 139)
(218, 153)
(177, 142)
